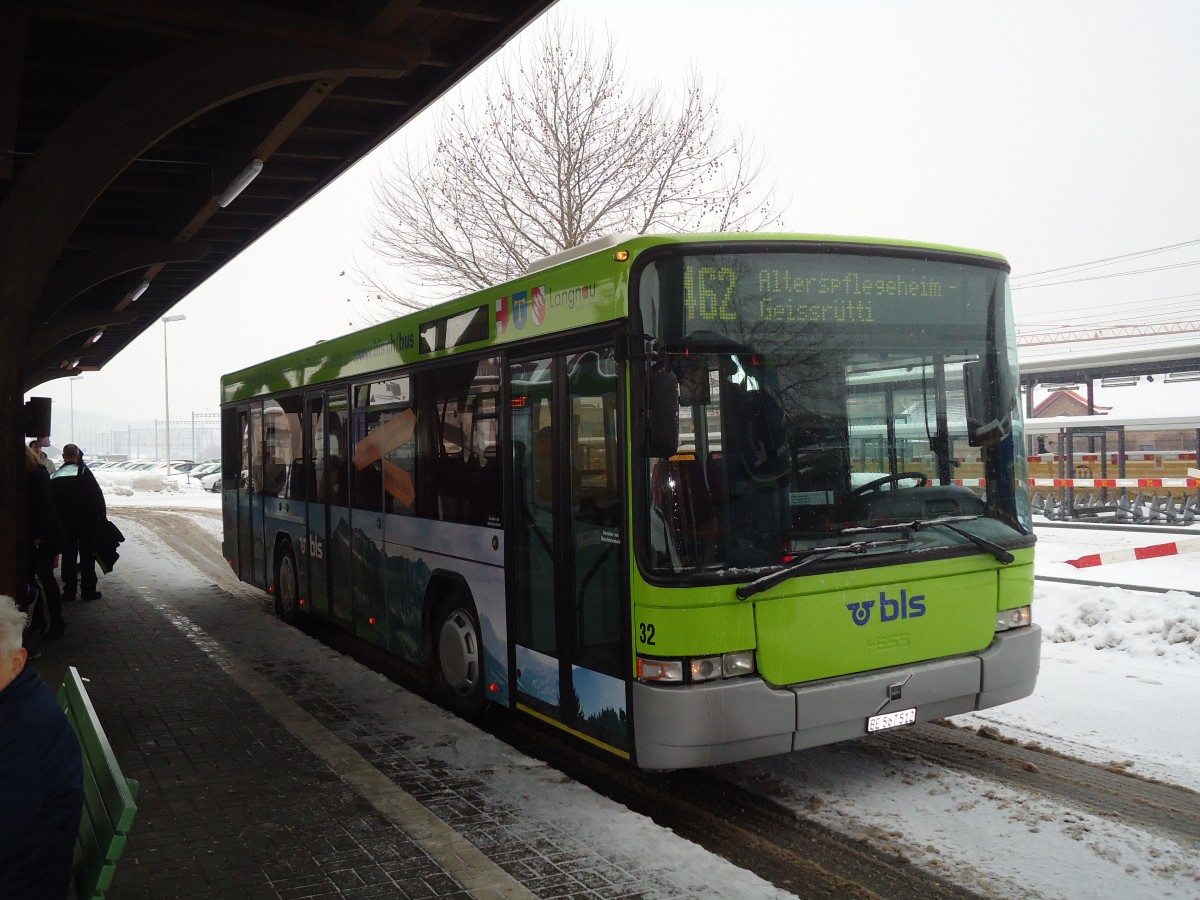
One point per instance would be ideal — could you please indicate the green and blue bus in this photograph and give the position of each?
(691, 498)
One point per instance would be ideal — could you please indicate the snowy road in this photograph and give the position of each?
(1120, 670)
(1119, 675)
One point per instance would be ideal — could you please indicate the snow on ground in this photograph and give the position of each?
(1118, 666)
(1120, 673)
(532, 798)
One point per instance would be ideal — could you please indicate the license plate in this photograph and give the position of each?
(892, 720)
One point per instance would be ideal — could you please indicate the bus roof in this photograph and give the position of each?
(571, 289)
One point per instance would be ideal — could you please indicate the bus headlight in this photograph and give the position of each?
(740, 663)
(696, 669)
(706, 668)
(1007, 619)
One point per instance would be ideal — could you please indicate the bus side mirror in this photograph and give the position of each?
(985, 424)
(662, 434)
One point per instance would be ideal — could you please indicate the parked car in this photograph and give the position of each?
(211, 481)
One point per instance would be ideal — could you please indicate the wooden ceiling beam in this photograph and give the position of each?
(232, 18)
(73, 167)
(109, 257)
(474, 10)
(14, 28)
(380, 18)
(42, 351)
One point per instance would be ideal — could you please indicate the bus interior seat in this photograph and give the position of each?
(486, 485)
(714, 469)
(298, 480)
(682, 494)
(311, 485)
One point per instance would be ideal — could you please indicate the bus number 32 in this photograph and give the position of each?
(647, 633)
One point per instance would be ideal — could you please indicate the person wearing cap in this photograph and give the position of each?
(82, 510)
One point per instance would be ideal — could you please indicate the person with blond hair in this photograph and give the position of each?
(41, 776)
(47, 463)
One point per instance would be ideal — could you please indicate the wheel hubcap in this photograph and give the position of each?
(458, 651)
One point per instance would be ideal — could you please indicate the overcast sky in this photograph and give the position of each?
(1056, 133)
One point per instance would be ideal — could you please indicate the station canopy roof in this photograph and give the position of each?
(123, 121)
(1065, 363)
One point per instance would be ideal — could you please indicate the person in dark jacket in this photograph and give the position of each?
(46, 539)
(41, 776)
(81, 508)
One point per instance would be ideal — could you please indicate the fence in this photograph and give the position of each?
(196, 437)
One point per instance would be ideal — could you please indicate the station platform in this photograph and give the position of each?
(272, 767)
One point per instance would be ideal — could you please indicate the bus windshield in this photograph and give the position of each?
(822, 394)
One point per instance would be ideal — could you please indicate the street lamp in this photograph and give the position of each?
(71, 384)
(167, 387)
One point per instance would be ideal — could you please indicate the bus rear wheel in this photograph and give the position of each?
(287, 586)
(459, 657)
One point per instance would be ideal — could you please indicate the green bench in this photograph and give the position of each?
(108, 796)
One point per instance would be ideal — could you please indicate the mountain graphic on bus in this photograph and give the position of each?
(537, 675)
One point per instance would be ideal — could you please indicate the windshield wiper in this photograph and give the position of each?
(947, 522)
(811, 555)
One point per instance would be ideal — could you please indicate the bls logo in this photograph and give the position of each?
(312, 545)
(889, 610)
(860, 612)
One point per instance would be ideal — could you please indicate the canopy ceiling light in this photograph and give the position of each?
(138, 291)
(240, 183)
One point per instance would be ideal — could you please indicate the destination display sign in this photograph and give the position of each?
(835, 289)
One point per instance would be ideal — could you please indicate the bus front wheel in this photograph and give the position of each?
(287, 586)
(460, 657)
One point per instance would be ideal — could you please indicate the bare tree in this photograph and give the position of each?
(561, 150)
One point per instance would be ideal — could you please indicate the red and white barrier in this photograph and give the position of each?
(1114, 482)
(1152, 552)
(1095, 482)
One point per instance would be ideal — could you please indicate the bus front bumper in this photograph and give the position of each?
(727, 721)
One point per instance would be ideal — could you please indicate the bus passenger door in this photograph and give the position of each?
(317, 494)
(367, 565)
(339, 542)
(598, 617)
(233, 428)
(250, 502)
(245, 482)
(535, 541)
(567, 563)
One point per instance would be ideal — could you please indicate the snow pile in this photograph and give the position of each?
(134, 484)
(148, 483)
(1140, 624)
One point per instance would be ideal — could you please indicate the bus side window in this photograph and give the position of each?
(543, 486)
(486, 487)
(298, 481)
(338, 476)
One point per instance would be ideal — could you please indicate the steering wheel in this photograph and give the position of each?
(895, 478)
